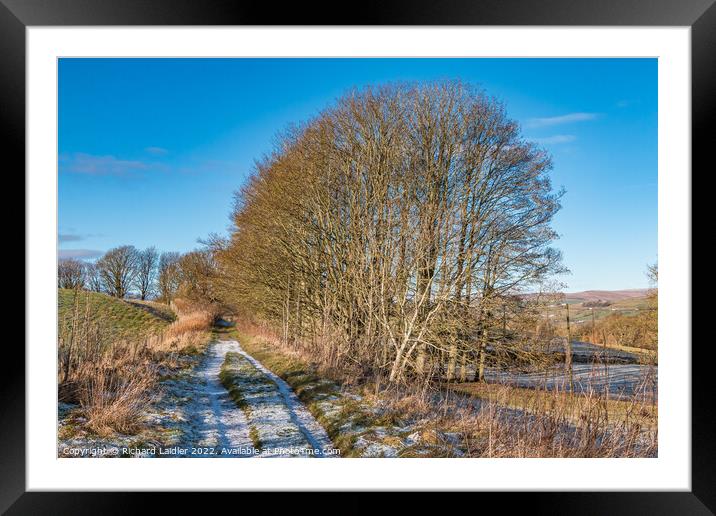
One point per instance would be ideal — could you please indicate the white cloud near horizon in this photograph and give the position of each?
(561, 119)
(79, 254)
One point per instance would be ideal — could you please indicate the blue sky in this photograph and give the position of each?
(151, 150)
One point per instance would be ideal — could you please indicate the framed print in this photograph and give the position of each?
(424, 246)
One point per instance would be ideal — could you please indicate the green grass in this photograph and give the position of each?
(227, 376)
(119, 319)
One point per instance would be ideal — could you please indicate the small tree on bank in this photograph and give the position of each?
(146, 271)
(70, 274)
(197, 276)
(118, 270)
(93, 278)
(168, 276)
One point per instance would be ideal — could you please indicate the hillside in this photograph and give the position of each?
(119, 319)
(605, 295)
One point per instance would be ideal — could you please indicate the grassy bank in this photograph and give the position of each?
(112, 356)
(119, 319)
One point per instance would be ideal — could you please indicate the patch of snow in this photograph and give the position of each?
(374, 449)
(413, 438)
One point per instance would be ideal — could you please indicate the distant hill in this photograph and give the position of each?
(597, 304)
(606, 295)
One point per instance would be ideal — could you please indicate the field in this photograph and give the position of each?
(624, 320)
(626, 302)
(606, 295)
(580, 314)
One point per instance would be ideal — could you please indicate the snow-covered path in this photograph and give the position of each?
(215, 422)
(269, 417)
(282, 424)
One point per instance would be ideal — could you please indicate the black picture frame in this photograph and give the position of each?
(700, 15)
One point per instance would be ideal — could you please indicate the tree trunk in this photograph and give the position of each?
(452, 361)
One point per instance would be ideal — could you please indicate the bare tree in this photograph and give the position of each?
(70, 273)
(392, 232)
(93, 278)
(118, 269)
(652, 272)
(169, 276)
(653, 314)
(146, 271)
(197, 272)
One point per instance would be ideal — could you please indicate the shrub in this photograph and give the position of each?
(115, 399)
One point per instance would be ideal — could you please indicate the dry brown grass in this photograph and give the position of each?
(188, 334)
(494, 430)
(556, 425)
(184, 307)
(191, 322)
(111, 382)
(572, 407)
(115, 401)
(616, 329)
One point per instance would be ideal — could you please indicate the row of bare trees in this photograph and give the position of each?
(392, 231)
(146, 274)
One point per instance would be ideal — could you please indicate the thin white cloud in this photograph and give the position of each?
(73, 236)
(81, 163)
(557, 138)
(561, 119)
(157, 151)
(80, 254)
(66, 237)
